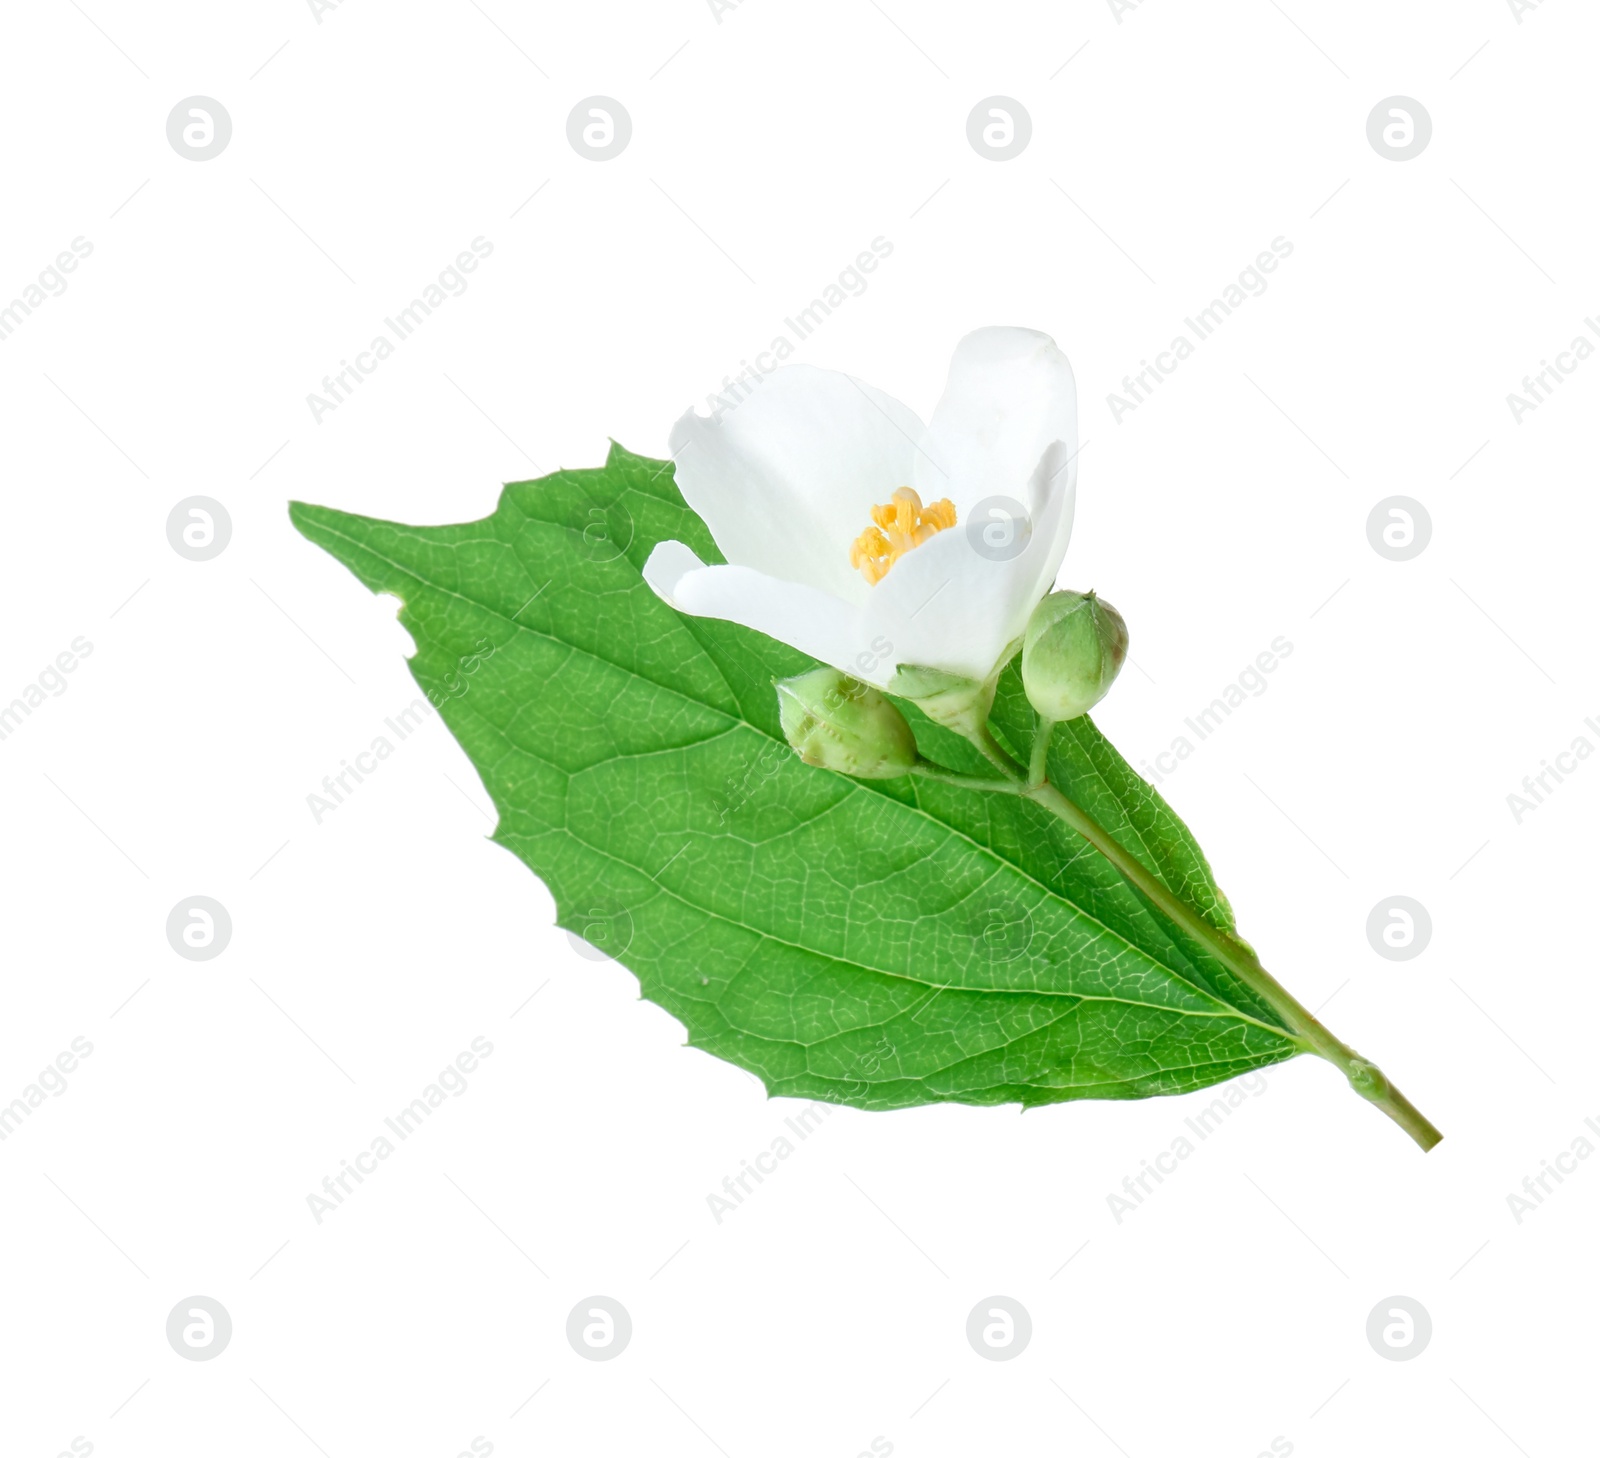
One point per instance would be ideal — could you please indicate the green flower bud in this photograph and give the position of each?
(1071, 654)
(841, 724)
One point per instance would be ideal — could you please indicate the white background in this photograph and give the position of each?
(770, 145)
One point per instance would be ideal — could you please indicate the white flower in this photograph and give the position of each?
(787, 483)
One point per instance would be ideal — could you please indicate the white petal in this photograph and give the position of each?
(787, 478)
(1052, 489)
(793, 613)
(1009, 398)
(666, 566)
(951, 604)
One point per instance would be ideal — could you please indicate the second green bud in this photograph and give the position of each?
(837, 723)
(1072, 653)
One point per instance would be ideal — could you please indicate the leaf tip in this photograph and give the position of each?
(309, 519)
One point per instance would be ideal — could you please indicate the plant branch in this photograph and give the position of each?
(928, 770)
(1037, 770)
(983, 737)
(1365, 1077)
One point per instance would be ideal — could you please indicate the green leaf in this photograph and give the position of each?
(879, 944)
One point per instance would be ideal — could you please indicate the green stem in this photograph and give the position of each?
(1037, 765)
(984, 738)
(1365, 1077)
(930, 771)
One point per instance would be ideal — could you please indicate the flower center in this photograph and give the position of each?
(898, 527)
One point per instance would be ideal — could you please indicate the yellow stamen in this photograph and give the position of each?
(898, 527)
